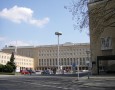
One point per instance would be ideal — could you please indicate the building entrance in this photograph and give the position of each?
(106, 64)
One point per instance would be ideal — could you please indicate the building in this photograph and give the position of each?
(21, 62)
(45, 56)
(69, 53)
(27, 51)
(102, 35)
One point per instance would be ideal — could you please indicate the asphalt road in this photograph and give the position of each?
(41, 83)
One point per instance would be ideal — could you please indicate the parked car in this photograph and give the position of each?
(38, 71)
(31, 71)
(44, 72)
(85, 70)
(24, 72)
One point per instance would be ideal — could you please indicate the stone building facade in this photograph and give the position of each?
(69, 54)
(45, 56)
(102, 34)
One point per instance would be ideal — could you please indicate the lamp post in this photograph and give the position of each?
(58, 34)
(88, 61)
(78, 70)
(15, 53)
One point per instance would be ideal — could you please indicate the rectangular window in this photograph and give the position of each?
(53, 62)
(64, 61)
(80, 61)
(67, 61)
(50, 62)
(70, 61)
(106, 43)
(61, 61)
(56, 61)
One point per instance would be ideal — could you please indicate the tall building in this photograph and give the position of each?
(102, 35)
(45, 56)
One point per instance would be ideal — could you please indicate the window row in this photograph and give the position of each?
(17, 63)
(61, 54)
(4, 57)
(62, 61)
(66, 50)
(21, 63)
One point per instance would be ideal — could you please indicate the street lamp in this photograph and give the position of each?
(88, 61)
(78, 70)
(58, 34)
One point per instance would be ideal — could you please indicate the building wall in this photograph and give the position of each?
(21, 62)
(102, 29)
(68, 54)
(45, 56)
(27, 51)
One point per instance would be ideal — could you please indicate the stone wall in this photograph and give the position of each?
(102, 29)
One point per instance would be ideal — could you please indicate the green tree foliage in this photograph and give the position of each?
(1, 68)
(11, 62)
(8, 68)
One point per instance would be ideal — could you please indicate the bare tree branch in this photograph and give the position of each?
(79, 11)
(101, 15)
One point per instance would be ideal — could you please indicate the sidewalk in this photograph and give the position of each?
(101, 81)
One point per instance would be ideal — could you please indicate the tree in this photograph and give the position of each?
(9, 68)
(80, 13)
(79, 10)
(11, 62)
(1, 68)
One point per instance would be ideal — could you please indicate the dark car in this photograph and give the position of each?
(31, 71)
(44, 72)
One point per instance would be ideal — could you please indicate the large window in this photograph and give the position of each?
(106, 43)
(56, 61)
(50, 62)
(67, 61)
(61, 61)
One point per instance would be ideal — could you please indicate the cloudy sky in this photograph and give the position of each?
(34, 22)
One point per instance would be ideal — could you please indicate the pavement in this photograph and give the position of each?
(101, 81)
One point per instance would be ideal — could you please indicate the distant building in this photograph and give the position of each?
(27, 51)
(69, 54)
(102, 35)
(21, 62)
(45, 56)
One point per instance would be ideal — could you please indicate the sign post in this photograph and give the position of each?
(73, 67)
(88, 63)
(78, 70)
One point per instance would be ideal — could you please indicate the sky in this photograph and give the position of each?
(34, 23)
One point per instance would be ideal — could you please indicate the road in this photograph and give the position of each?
(28, 82)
